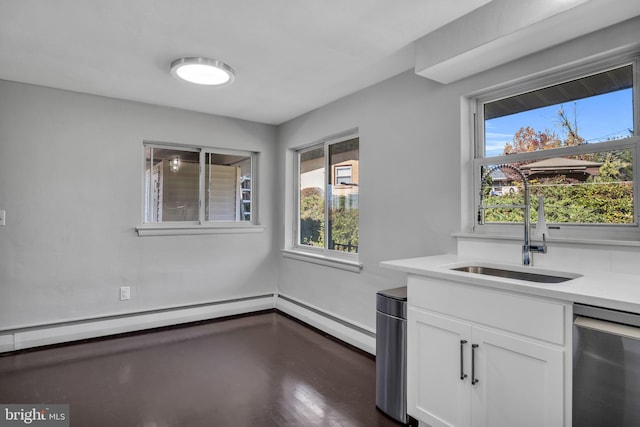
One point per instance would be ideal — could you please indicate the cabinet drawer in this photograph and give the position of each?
(524, 315)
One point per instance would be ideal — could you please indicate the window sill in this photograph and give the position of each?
(185, 230)
(342, 264)
(561, 240)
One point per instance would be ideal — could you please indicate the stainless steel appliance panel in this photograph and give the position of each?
(606, 371)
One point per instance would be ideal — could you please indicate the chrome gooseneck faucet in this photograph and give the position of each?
(527, 247)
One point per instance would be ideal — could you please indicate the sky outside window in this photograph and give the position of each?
(599, 118)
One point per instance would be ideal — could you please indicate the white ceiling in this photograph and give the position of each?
(290, 56)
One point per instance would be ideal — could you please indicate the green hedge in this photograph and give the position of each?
(344, 222)
(589, 203)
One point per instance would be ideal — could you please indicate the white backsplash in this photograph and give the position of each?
(572, 257)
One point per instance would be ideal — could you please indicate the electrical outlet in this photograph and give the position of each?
(3, 218)
(125, 293)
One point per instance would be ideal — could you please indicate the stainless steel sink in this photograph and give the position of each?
(514, 274)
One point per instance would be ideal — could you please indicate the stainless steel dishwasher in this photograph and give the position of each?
(606, 367)
(391, 353)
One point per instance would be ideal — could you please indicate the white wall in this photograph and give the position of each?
(414, 150)
(71, 172)
(409, 188)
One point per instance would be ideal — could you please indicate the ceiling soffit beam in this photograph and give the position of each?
(505, 30)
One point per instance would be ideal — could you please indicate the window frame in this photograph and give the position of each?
(596, 232)
(314, 251)
(201, 225)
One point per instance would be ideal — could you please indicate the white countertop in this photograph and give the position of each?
(603, 289)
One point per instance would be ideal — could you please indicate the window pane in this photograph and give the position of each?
(228, 187)
(172, 182)
(593, 188)
(343, 174)
(328, 177)
(587, 110)
(311, 215)
(343, 196)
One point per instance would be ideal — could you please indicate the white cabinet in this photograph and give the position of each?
(521, 383)
(475, 361)
(436, 394)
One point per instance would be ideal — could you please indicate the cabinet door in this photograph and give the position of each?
(438, 359)
(520, 382)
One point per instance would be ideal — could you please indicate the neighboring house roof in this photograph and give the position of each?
(579, 169)
(559, 163)
(561, 166)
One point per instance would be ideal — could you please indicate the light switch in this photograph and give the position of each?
(3, 217)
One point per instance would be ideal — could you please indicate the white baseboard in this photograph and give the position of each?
(6, 343)
(343, 329)
(93, 328)
(356, 335)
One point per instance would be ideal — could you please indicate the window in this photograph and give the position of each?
(196, 185)
(342, 175)
(576, 142)
(327, 208)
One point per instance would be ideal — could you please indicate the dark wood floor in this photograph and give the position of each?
(261, 370)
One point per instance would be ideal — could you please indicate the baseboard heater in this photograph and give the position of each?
(342, 329)
(78, 329)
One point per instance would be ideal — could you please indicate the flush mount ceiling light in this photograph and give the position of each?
(202, 71)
